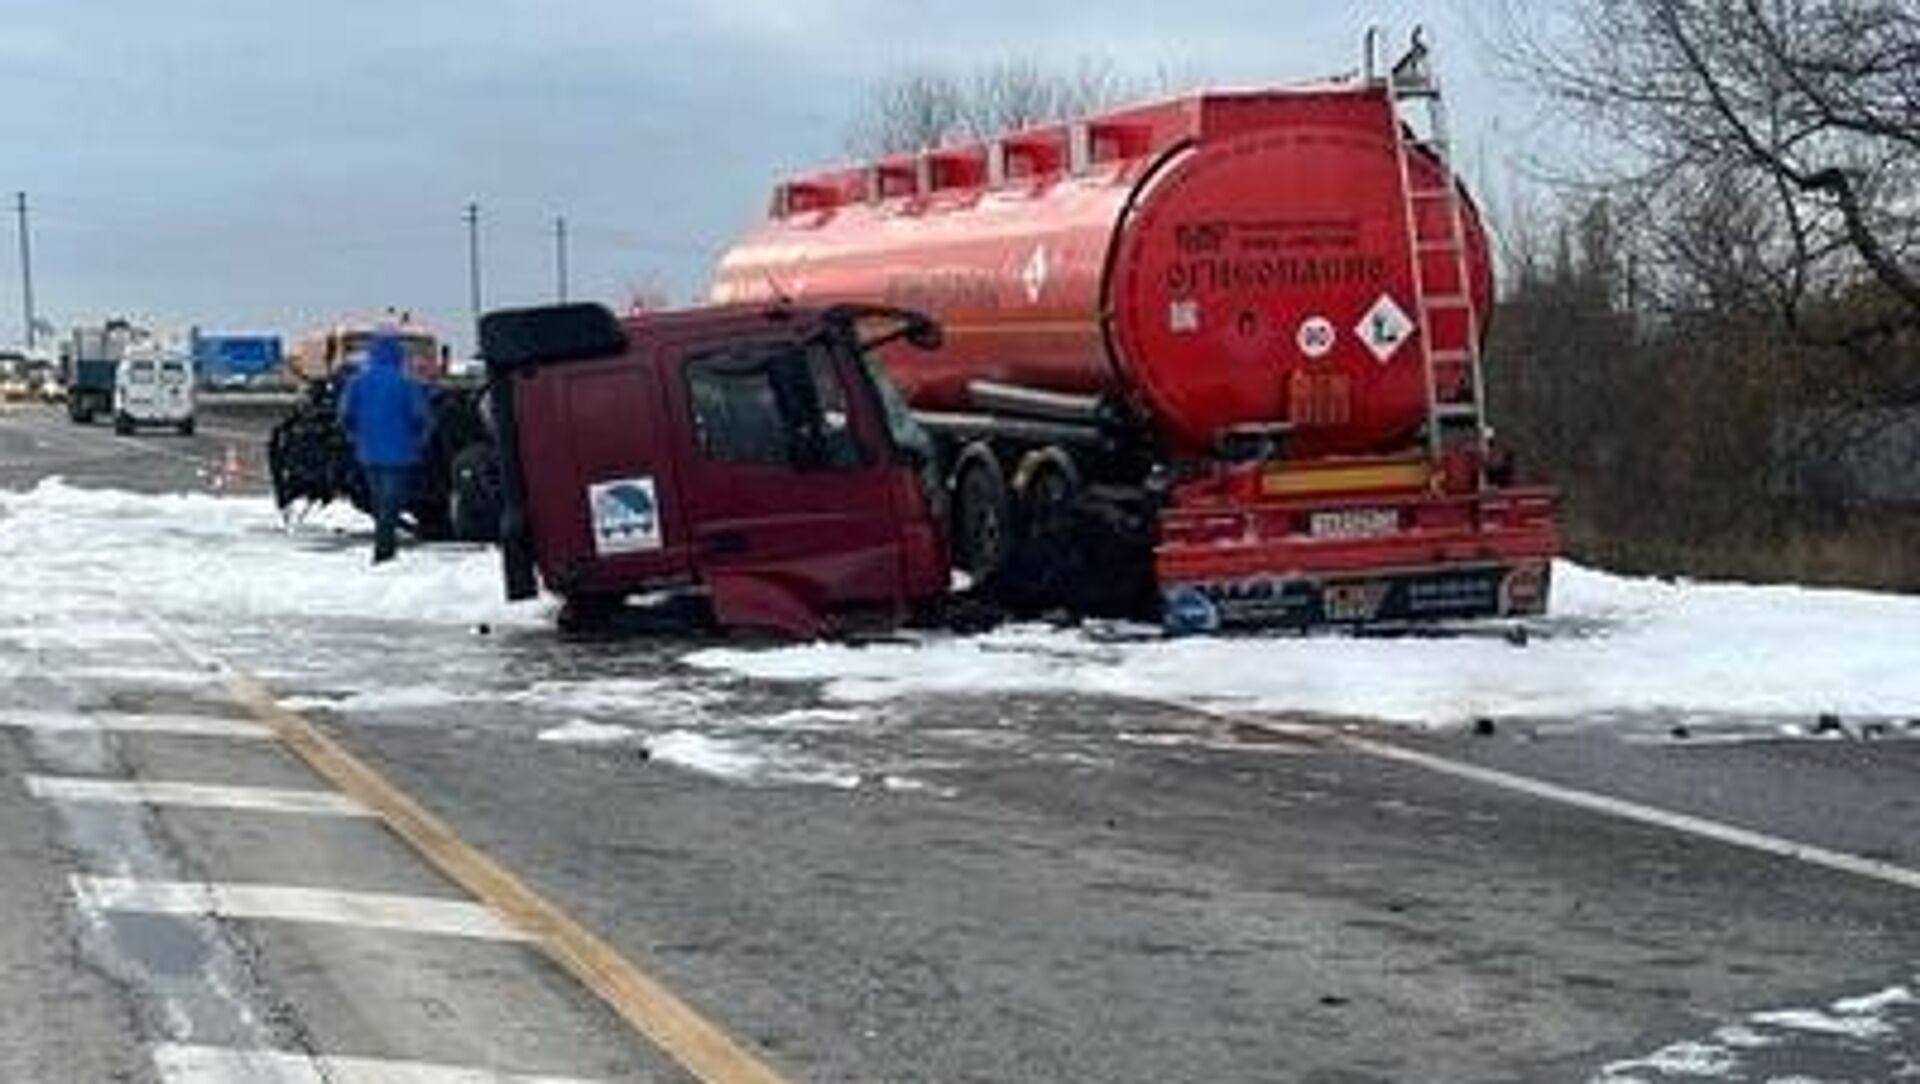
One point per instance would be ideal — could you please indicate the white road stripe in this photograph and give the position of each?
(205, 795)
(211, 726)
(138, 675)
(179, 1063)
(289, 903)
(1840, 861)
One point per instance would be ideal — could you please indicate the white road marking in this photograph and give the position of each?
(140, 675)
(290, 903)
(204, 795)
(1840, 861)
(210, 726)
(179, 1063)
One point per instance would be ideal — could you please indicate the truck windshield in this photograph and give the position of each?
(140, 372)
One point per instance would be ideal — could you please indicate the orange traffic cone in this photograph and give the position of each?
(231, 472)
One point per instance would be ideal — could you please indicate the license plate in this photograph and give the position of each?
(1354, 523)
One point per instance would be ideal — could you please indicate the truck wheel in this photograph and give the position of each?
(982, 510)
(1048, 483)
(186, 428)
(123, 425)
(473, 496)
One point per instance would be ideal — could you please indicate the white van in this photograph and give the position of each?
(152, 388)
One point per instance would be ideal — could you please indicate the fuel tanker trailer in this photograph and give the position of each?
(1216, 357)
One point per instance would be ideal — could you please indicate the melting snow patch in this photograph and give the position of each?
(737, 761)
(1685, 1058)
(810, 719)
(390, 698)
(1858, 1027)
(610, 696)
(583, 732)
(220, 559)
(1611, 644)
(1849, 1025)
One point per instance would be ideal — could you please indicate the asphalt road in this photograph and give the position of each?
(972, 889)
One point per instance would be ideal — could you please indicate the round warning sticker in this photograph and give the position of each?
(1315, 336)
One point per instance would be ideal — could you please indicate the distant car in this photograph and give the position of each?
(153, 389)
(43, 378)
(14, 385)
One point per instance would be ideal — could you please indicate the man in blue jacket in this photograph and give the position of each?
(389, 418)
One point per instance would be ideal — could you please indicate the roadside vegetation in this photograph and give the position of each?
(1712, 342)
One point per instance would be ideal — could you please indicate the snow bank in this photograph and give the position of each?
(196, 556)
(1611, 645)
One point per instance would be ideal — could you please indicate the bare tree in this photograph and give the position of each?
(926, 107)
(1769, 145)
(910, 111)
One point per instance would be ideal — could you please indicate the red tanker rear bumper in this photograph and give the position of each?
(1231, 556)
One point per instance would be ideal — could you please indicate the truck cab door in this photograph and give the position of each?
(789, 487)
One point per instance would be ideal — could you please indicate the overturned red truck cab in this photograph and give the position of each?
(750, 459)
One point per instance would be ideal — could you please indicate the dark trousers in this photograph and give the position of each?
(388, 488)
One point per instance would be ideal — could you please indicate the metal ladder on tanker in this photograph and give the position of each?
(1463, 415)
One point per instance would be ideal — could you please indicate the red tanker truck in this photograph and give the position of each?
(1217, 356)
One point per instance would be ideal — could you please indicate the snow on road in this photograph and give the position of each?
(1612, 645)
(1869, 1037)
(202, 558)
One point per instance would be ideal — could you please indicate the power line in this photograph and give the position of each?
(560, 258)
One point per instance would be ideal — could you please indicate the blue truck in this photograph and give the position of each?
(224, 359)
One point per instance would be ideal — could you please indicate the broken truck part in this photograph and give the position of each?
(1216, 358)
(310, 457)
(749, 463)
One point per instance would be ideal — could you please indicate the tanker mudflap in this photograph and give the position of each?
(1424, 595)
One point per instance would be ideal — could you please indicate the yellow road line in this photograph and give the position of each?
(672, 1025)
(678, 1029)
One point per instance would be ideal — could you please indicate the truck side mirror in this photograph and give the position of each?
(924, 333)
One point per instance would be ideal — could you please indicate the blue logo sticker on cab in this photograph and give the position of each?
(626, 516)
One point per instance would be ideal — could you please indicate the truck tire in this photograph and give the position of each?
(473, 494)
(1048, 483)
(186, 428)
(123, 425)
(982, 514)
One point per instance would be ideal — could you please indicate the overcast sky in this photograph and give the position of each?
(275, 164)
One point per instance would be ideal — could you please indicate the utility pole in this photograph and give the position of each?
(473, 267)
(560, 258)
(26, 272)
